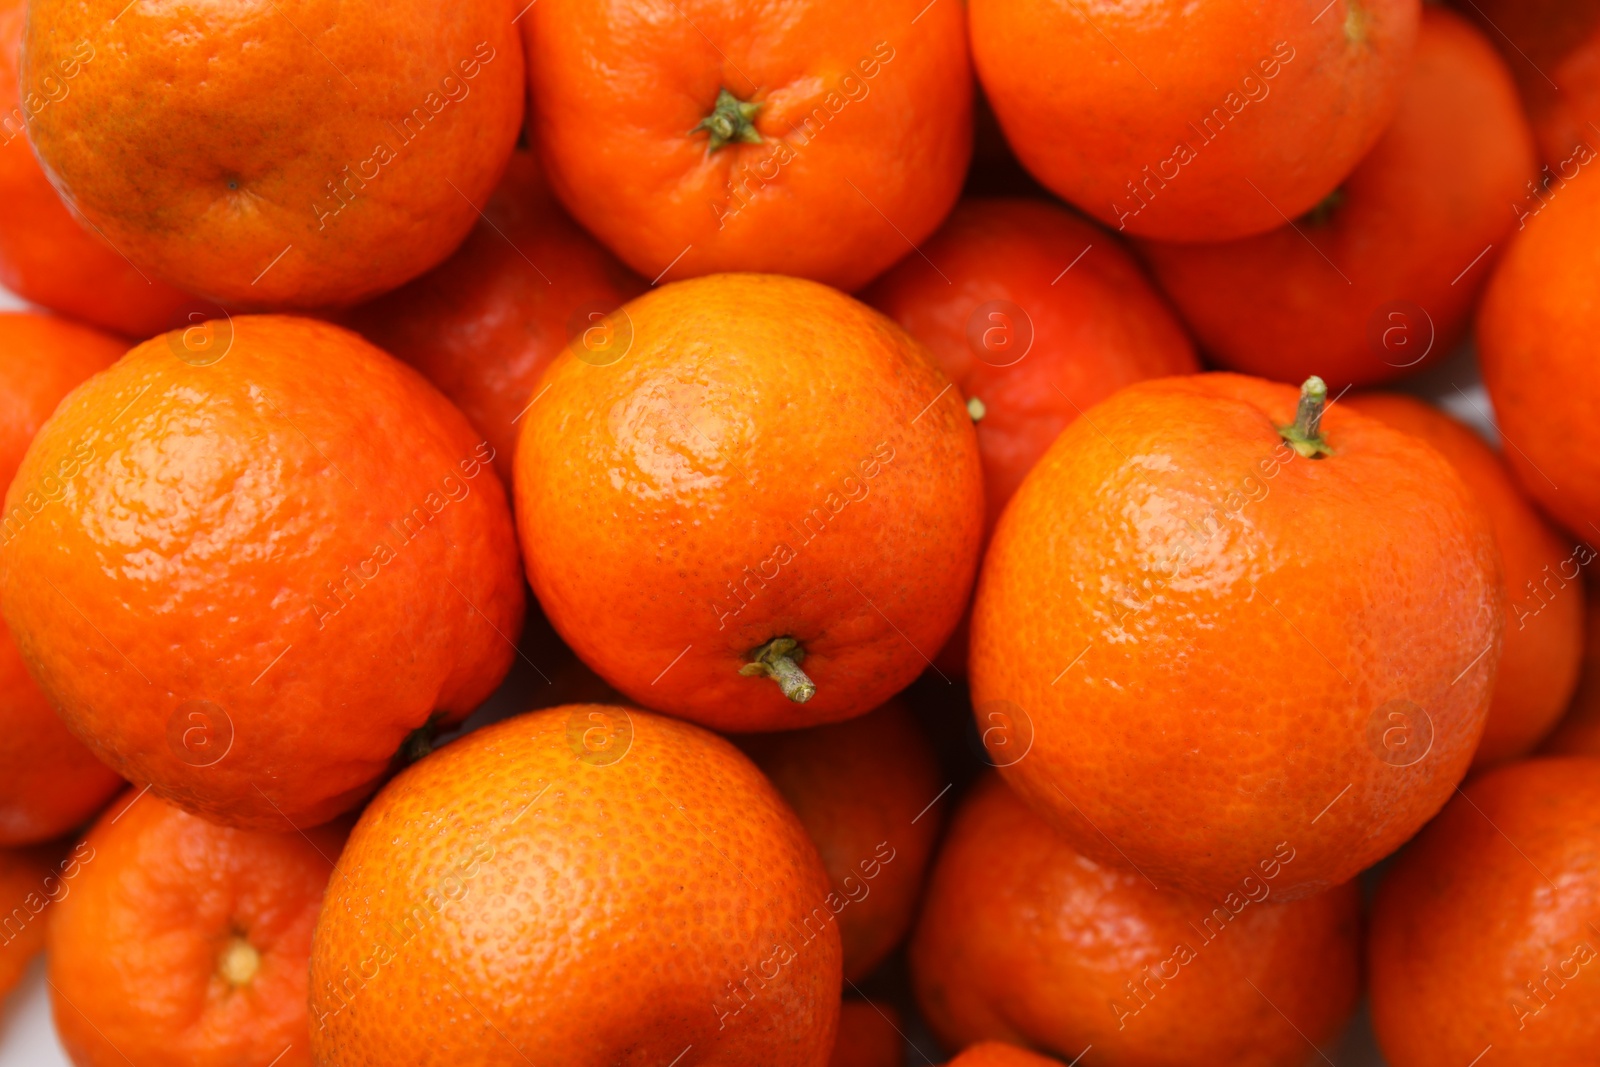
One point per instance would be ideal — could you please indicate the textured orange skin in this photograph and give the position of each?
(200, 537)
(1024, 939)
(46, 255)
(1553, 49)
(279, 101)
(1085, 121)
(1502, 885)
(585, 912)
(646, 487)
(1543, 642)
(857, 786)
(49, 783)
(1537, 364)
(869, 1036)
(1578, 732)
(1422, 206)
(483, 325)
(135, 944)
(29, 886)
(1280, 617)
(618, 84)
(1000, 1054)
(1094, 329)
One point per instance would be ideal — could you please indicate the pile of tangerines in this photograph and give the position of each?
(686, 532)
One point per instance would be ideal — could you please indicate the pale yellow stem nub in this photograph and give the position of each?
(239, 962)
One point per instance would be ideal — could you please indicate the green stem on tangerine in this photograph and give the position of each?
(730, 120)
(779, 659)
(1305, 436)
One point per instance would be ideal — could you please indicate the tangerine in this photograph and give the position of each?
(1483, 929)
(781, 473)
(1037, 316)
(1553, 49)
(1578, 732)
(825, 139)
(185, 943)
(865, 790)
(26, 892)
(49, 782)
(584, 885)
(1025, 939)
(46, 255)
(1264, 626)
(1385, 272)
(999, 1054)
(1193, 123)
(271, 559)
(1535, 314)
(1544, 594)
(300, 153)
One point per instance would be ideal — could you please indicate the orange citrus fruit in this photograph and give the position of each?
(583, 885)
(1578, 732)
(1000, 1054)
(824, 139)
(1025, 939)
(49, 782)
(1544, 594)
(1483, 935)
(298, 154)
(1193, 123)
(32, 881)
(1553, 48)
(185, 943)
(1225, 622)
(271, 556)
(865, 790)
(716, 515)
(1531, 330)
(1384, 273)
(46, 255)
